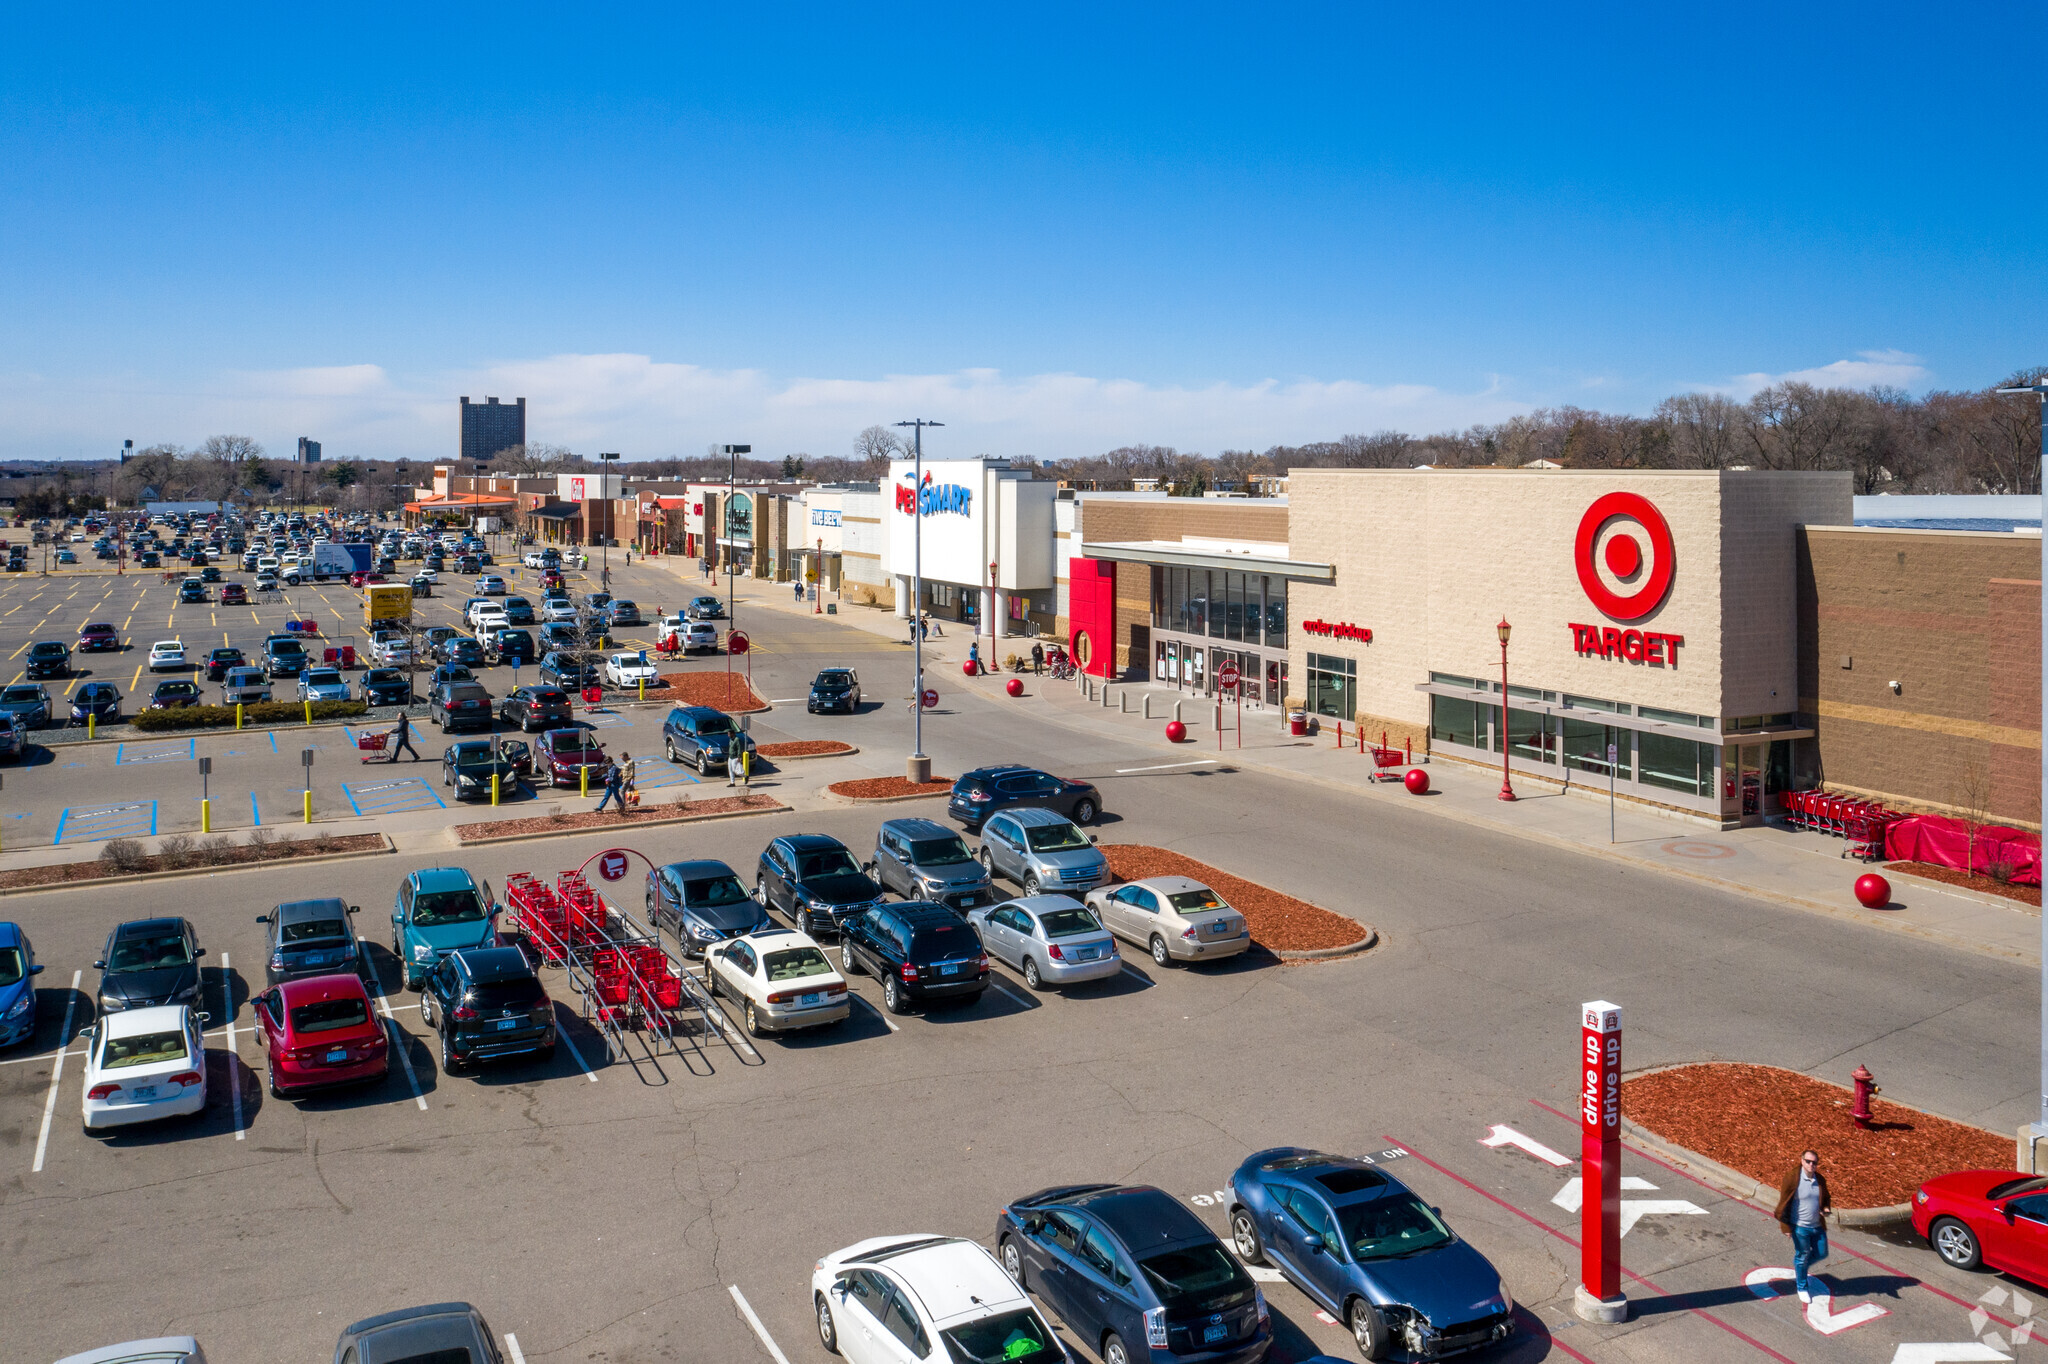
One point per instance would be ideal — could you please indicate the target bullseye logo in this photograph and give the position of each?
(1624, 555)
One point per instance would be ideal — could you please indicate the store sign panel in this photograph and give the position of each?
(1641, 572)
(941, 509)
(575, 490)
(930, 498)
(1337, 629)
(1637, 646)
(820, 516)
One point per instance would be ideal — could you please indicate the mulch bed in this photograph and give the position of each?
(724, 691)
(2026, 895)
(804, 748)
(240, 855)
(1760, 1119)
(880, 788)
(1279, 923)
(591, 819)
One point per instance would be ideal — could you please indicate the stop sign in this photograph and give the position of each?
(1226, 676)
(611, 866)
(736, 642)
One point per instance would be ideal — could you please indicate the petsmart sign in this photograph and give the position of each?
(931, 498)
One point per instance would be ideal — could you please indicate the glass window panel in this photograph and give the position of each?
(1332, 686)
(1675, 717)
(1525, 693)
(1233, 608)
(1531, 736)
(1276, 612)
(1452, 680)
(1455, 720)
(1217, 602)
(1675, 764)
(1595, 703)
(1585, 747)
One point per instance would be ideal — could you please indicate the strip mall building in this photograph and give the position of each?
(1727, 635)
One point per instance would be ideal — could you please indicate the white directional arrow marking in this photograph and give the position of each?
(1958, 1352)
(1633, 1210)
(1820, 1313)
(1502, 1135)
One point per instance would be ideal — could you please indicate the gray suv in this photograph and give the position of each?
(1041, 850)
(923, 860)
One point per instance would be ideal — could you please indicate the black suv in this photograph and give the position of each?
(48, 659)
(460, 649)
(534, 709)
(487, 1003)
(835, 689)
(985, 790)
(514, 647)
(386, 687)
(567, 671)
(311, 938)
(815, 881)
(148, 962)
(518, 611)
(460, 705)
(920, 951)
(218, 661)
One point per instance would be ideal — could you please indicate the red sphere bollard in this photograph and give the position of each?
(1175, 731)
(1015, 686)
(1873, 891)
(1417, 782)
(968, 667)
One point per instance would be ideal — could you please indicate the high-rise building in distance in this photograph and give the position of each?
(490, 427)
(309, 450)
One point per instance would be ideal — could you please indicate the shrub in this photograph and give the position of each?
(215, 849)
(2000, 872)
(124, 855)
(175, 851)
(262, 713)
(262, 836)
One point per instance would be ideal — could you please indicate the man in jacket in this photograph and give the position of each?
(401, 738)
(1803, 1206)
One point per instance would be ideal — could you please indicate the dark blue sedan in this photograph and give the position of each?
(18, 970)
(1135, 1275)
(1364, 1246)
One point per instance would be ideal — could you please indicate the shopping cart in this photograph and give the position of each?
(372, 744)
(1387, 763)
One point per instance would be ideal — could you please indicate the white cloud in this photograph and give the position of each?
(1869, 368)
(647, 408)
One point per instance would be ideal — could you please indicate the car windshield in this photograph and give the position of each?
(330, 1014)
(432, 907)
(940, 852)
(323, 677)
(11, 966)
(796, 962)
(1055, 837)
(1189, 901)
(1191, 1272)
(21, 694)
(714, 724)
(46, 651)
(383, 675)
(1005, 1336)
(1390, 1228)
(177, 689)
(714, 890)
(571, 744)
(314, 930)
(834, 679)
(147, 1049)
(475, 755)
(283, 648)
(1065, 923)
(1996, 1191)
(837, 862)
(505, 994)
(149, 954)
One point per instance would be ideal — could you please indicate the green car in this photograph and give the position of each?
(438, 911)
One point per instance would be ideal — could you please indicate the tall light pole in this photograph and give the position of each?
(919, 769)
(2039, 388)
(604, 495)
(732, 478)
(1507, 789)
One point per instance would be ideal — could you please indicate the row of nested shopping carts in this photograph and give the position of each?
(627, 981)
(1861, 824)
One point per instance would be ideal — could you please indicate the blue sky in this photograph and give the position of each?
(1058, 230)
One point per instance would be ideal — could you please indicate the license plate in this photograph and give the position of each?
(808, 1000)
(338, 1055)
(142, 1092)
(1219, 929)
(1088, 954)
(1212, 1334)
(949, 970)
(506, 1024)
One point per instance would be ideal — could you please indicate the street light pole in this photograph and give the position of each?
(604, 495)
(919, 767)
(732, 478)
(1507, 789)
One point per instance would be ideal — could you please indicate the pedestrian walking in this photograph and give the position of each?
(629, 782)
(1037, 659)
(974, 658)
(401, 738)
(799, 591)
(1803, 1207)
(614, 788)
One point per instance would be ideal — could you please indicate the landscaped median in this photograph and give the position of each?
(873, 790)
(123, 859)
(729, 692)
(805, 748)
(261, 713)
(1288, 928)
(676, 812)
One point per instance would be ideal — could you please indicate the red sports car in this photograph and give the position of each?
(97, 637)
(320, 1031)
(1987, 1218)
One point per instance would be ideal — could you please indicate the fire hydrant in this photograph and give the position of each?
(1865, 1091)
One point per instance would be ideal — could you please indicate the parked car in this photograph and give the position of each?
(565, 753)
(244, 685)
(702, 902)
(1038, 849)
(192, 590)
(386, 687)
(431, 637)
(147, 962)
(484, 619)
(490, 584)
(629, 670)
(311, 938)
(18, 971)
(166, 654)
(144, 1064)
(323, 684)
(559, 610)
(233, 594)
(390, 648)
(65, 556)
(218, 661)
(266, 582)
(1135, 1274)
(815, 881)
(452, 1331)
(438, 911)
(1987, 1219)
(780, 980)
(622, 612)
(210, 573)
(284, 657)
(98, 637)
(902, 1298)
(27, 702)
(1367, 1249)
(923, 860)
(461, 649)
(100, 701)
(518, 611)
(703, 737)
(460, 705)
(834, 689)
(468, 767)
(487, 1004)
(48, 658)
(1048, 939)
(570, 672)
(173, 695)
(450, 672)
(919, 951)
(985, 790)
(1174, 918)
(705, 608)
(534, 709)
(699, 636)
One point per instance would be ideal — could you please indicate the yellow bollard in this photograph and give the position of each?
(92, 723)
(584, 774)
(238, 715)
(206, 816)
(494, 788)
(309, 807)
(309, 710)
(643, 689)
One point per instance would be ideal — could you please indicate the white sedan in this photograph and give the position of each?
(166, 653)
(630, 670)
(779, 978)
(875, 1293)
(144, 1064)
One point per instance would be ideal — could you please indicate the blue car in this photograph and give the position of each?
(1135, 1275)
(439, 911)
(1362, 1245)
(18, 970)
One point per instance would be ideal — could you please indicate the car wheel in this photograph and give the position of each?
(1113, 1351)
(753, 1021)
(1084, 811)
(828, 1330)
(1159, 952)
(892, 996)
(670, 745)
(426, 1012)
(275, 1092)
(703, 764)
(1013, 1263)
(1368, 1329)
(1955, 1243)
(847, 965)
(988, 863)
(1244, 1237)
(1031, 883)
(450, 1064)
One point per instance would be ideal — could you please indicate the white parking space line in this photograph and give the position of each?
(878, 1012)
(56, 1074)
(747, 1311)
(512, 1347)
(234, 1081)
(787, 700)
(1165, 767)
(1013, 992)
(570, 1042)
(398, 1037)
(1135, 974)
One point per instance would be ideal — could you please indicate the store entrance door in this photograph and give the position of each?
(1750, 778)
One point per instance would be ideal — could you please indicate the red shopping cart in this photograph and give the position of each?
(372, 744)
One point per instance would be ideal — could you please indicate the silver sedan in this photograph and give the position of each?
(1174, 918)
(1049, 939)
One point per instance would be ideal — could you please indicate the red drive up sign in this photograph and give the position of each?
(1627, 534)
(1600, 1149)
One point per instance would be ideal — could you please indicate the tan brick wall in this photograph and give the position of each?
(1112, 521)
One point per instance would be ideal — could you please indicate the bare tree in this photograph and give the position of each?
(533, 457)
(874, 447)
(1706, 429)
(1798, 426)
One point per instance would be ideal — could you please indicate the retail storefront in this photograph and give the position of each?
(987, 540)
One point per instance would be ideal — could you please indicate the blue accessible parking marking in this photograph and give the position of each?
(605, 719)
(169, 750)
(653, 771)
(87, 824)
(392, 797)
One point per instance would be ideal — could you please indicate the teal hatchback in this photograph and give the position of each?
(438, 911)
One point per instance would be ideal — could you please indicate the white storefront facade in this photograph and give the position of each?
(987, 535)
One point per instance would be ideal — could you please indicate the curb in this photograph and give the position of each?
(1364, 944)
(1983, 897)
(777, 808)
(830, 794)
(1752, 1191)
(389, 847)
(846, 752)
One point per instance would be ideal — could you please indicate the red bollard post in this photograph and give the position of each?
(1598, 1296)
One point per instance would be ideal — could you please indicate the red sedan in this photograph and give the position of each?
(1987, 1218)
(567, 752)
(321, 1031)
(98, 636)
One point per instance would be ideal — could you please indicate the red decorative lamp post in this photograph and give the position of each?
(1507, 788)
